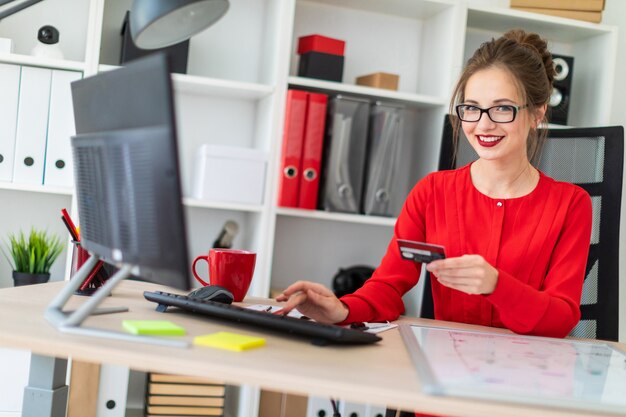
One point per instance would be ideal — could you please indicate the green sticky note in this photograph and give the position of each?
(153, 327)
(229, 341)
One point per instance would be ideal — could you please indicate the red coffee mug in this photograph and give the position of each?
(228, 268)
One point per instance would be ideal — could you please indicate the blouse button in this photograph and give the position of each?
(499, 204)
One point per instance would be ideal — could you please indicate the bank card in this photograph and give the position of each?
(420, 251)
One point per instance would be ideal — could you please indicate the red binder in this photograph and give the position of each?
(312, 150)
(291, 159)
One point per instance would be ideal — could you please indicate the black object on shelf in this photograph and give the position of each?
(558, 106)
(348, 280)
(177, 53)
(227, 235)
(48, 34)
(321, 66)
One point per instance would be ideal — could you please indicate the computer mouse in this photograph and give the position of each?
(213, 293)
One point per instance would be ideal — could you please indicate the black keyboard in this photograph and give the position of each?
(318, 333)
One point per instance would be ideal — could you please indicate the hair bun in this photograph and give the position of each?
(538, 45)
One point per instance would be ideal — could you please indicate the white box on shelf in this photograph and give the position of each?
(229, 174)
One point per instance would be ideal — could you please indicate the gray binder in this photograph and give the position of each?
(345, 154)
(387, 170)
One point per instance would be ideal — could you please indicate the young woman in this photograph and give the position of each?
(516, 240)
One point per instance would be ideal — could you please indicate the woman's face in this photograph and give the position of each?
(502, 142)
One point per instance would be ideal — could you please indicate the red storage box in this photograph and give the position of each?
(319, 43)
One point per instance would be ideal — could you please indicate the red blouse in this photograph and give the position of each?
(539, 243)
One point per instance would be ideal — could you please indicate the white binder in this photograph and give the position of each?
(32, 123)
(112, 391)
(9, 88)
(58, 170)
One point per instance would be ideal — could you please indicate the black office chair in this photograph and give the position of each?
(592, 158)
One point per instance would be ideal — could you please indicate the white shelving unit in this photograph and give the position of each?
(234, 95)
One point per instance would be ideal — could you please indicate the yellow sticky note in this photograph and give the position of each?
(229, 341)
(153, 327)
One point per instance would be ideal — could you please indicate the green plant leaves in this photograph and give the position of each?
(34, 253)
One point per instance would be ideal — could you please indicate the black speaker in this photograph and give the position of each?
(348, 280)
(558, 107)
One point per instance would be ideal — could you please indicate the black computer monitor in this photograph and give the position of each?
(127, 185)
(126, 171)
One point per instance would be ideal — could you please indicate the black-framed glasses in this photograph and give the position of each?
(502, 113)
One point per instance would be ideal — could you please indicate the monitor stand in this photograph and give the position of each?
(70, 321)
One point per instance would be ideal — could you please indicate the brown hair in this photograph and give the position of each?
(526, 57)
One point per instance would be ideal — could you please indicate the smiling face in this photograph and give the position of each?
(501, 142)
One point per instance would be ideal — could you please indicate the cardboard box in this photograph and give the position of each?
(379, 80)
(321, 66)
(319, 43)
(581, 5)
(227, 174)
(586, 16)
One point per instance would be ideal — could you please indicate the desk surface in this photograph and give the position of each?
(377, 374)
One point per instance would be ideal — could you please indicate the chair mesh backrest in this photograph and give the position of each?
(593, 159)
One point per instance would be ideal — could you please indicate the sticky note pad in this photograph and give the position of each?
(229, 341)
(153, 327)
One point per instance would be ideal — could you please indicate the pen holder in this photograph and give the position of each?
(97, 276)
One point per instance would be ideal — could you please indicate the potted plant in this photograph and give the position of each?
(32, 256)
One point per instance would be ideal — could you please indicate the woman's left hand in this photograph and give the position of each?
(471, 274)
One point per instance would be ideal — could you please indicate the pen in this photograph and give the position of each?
(69, 229)
(70, 224)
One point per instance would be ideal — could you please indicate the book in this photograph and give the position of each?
(291, 155)
(157, 377)
(184, 400)
(59, 169)
(10, 87)
(32, 125)
(186, 389)
(583, 5)
(187, 411)
(312, 150)
(593, 17)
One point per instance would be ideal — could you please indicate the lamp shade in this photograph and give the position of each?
(160, 23)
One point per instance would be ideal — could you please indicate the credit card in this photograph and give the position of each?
(420, 251)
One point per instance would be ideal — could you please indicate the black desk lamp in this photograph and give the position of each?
(160, 23)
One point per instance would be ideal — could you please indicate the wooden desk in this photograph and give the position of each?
(379, 374)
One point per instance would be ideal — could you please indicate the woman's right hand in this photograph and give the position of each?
(313, 300)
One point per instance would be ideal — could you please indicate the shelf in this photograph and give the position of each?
(193, 84)
(337, 217)
(44, 189)
(409, 41)
(34, 61)
(192, 202)
(329, 87)
(403, 8)
(557, 29)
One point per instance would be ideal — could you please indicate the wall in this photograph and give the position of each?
(615, 14)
